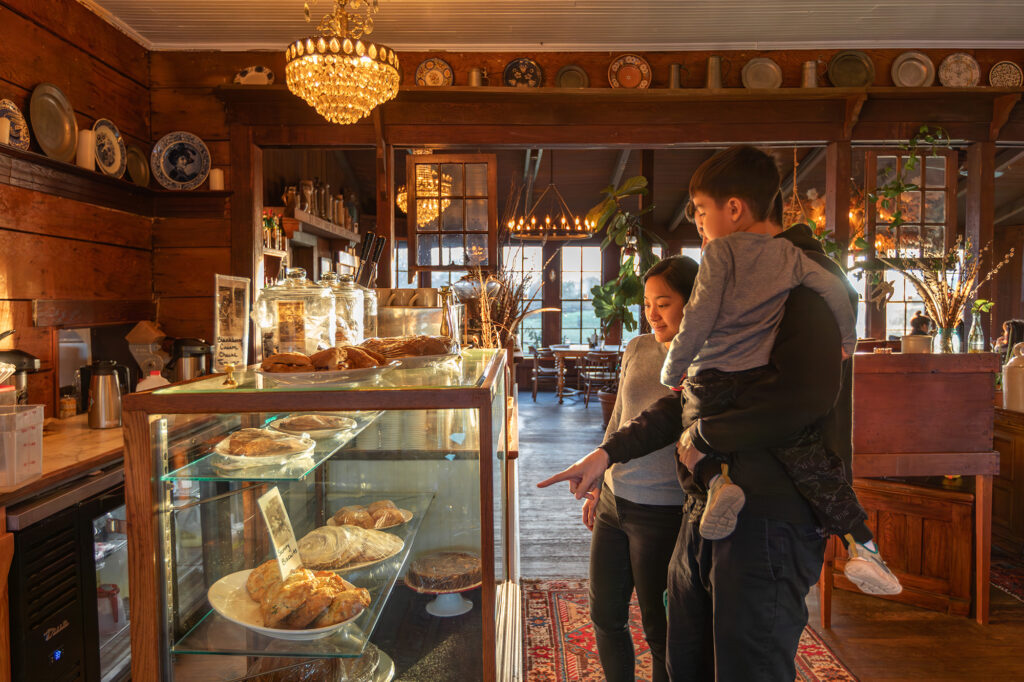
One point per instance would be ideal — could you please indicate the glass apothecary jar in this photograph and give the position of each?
(348, 308)
(369, 312)
(298, 314)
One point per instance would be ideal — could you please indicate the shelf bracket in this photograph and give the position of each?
(1001, 108)
(854, 104)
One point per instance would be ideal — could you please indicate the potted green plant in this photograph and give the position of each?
(614, 299)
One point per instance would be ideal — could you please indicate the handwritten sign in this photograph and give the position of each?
(281, 534)
(231, 323)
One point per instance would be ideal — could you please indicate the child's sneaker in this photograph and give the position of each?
(725, 500)
(868, 572)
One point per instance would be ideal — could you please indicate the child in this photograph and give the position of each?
(725, 340)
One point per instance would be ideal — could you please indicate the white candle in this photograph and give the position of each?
(86, 149)
(216, 179)
(5, 131)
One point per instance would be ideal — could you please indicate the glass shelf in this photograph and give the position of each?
(205, 470)
(217, 635)
(468, 372)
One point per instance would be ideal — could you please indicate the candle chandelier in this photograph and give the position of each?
(433, 194)
(558, 223)
(337, 72)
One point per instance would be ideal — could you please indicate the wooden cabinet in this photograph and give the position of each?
(1008, 486)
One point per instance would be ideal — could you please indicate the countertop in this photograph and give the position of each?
(70, 450)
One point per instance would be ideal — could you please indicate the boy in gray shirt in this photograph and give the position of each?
(725, 341)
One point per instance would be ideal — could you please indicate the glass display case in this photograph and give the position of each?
(401, 484)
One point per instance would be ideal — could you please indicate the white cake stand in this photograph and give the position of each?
(449, 603)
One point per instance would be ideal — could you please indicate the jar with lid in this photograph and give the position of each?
(369, 312)
(298, 314)
(348, 308)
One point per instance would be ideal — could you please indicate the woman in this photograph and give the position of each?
(636, 518)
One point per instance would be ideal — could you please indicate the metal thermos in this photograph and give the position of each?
(104, 397)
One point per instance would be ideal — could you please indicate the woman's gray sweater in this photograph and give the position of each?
(651, 479)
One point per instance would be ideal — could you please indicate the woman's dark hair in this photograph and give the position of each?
(679, 272)
(1014, 335)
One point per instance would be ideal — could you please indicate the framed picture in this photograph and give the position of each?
(231, 322)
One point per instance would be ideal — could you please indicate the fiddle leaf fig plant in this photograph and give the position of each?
(623, 227)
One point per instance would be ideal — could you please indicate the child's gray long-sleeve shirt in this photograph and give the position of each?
(731, 318)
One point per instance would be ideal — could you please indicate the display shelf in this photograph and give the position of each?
(205, 469)
(315, 225)
(215, 634)
(275, 253)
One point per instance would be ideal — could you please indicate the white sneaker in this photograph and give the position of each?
(725, 500)
(868, 572)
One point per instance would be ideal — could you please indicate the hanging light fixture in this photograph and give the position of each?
(558, 223)
(338, 73)
(433, 192)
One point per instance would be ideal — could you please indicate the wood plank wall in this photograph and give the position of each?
(57, 248)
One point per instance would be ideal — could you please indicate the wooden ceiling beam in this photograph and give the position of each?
(620, 168)
(1004, 159)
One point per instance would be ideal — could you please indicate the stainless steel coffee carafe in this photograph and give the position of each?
(104, 396)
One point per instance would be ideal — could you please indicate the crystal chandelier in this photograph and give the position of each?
(433, 192)
(558, 223)
(336, 72)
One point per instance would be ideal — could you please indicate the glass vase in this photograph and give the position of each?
(976, 341)
(946, 340)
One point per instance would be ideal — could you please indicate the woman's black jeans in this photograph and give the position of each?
(631, 547)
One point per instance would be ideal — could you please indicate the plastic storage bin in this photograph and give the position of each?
(21, 443)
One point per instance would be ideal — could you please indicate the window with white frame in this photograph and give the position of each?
(638, 309)
(527, 262)
(581, 270)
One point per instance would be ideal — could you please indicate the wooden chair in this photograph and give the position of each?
(597, 369)
(545, 368)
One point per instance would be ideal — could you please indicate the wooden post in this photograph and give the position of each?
(978, 224)
(551, 329)
(385, 212)
(838, 169)
(246, 207)
(6, 556)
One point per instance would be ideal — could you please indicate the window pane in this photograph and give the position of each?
(572, 282)
(453, 171)
(591, 258)
(476, 179)
(452, 218)
(886, 168)
(910, 241)
(910, 204)
(935, 173)
(935, 207)
(476, 249)
(571, 257)
(427, 250)
(476, 215)
(426, 215)
(912, 176)
(453, 253)
(933, 240)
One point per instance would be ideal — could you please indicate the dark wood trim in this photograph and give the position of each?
(838, 169)
(77, 313)
(551, 323)
(488, 587)
(978, 223)
(141, 508)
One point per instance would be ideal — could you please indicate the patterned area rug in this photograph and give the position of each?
(560, 644)
(1008, 575)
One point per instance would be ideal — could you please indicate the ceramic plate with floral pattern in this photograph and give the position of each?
(19, 128)
(434, 72)
(523, 73)
(180, 160)
(255, 75)
(629, 71)
(1005, 74)
(959, 70)
(111, 156)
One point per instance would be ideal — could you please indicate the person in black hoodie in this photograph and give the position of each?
(736, 605)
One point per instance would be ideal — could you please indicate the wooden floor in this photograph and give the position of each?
(876, 639)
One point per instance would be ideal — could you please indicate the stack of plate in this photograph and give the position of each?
(391, 427)
(369, 438)
(414, 430)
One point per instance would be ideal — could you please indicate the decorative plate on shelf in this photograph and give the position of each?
(180, 160)
(230, 598)
(111, 155)
(913, 70)
(1005, 74)
(572, 76)
(138, 166)
(53, 122)
(255, 75)
(523, 73)
(434, 72)
(959, 70)
(851, 69)
(19, 128)
(761, 73)
(629, 71)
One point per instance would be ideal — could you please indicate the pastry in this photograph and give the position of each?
(307, 599)
(287, 362)
(329, 547)
(330, 359)
(386, 518)
(314, 422)
(284, 599)
(374, 507)
(260, 443)
(262, 578)
(358, 358)
(356, 517)
(444, 572)
(347, 600)
(405, 346)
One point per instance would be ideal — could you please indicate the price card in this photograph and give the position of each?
(281, 533)
(231, 322)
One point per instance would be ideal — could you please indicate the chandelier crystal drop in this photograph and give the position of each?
(432, 193)
(337, 72)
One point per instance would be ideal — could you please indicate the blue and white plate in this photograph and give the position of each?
(255, 75)
(19, 128)
(111, 155)
(180, 160)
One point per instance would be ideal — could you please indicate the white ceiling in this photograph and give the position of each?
(584, 25)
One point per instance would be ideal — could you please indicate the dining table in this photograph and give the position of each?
(573, 351)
